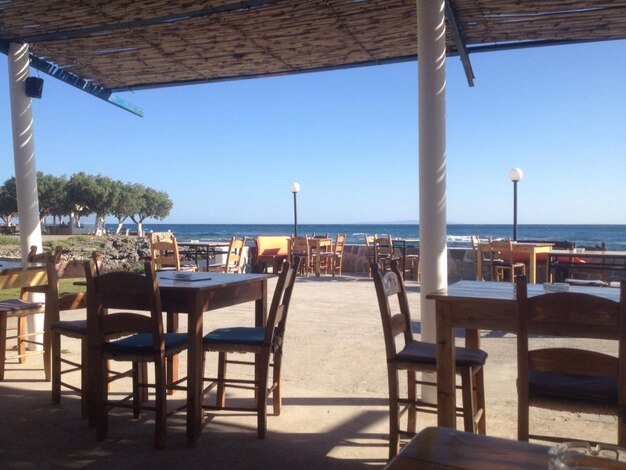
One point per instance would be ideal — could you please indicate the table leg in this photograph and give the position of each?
(479, 265)
(318, 260)
(172, 362)
(194, 375)
(446, 392)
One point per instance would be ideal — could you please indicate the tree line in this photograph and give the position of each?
(83, 194)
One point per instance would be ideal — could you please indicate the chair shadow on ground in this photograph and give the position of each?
(460, 332)
(43, 435)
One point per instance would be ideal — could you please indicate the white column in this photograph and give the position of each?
(431, 54)
(24, 157)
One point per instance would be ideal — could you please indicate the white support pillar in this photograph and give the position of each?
(431, 53)
(24, 157)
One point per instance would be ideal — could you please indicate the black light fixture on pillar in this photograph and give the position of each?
(295, 187)
(515, 175)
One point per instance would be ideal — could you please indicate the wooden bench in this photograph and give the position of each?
(271, 251)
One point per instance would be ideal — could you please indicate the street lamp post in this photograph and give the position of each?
(515, 175)
(295, 187)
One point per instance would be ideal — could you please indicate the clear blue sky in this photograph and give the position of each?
(228, 152)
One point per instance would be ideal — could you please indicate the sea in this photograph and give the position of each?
(613, 236)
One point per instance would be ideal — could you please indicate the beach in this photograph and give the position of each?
(334, 410)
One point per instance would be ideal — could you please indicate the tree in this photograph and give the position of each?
(8, 201)
(78, 192)
(155, 204)
(52, 192)
(126, 201)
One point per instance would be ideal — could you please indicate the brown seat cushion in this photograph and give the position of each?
(426, 353)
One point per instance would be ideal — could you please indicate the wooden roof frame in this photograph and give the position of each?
(108, 46)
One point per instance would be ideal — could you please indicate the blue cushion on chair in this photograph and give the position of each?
(141, 343)
(240, 335)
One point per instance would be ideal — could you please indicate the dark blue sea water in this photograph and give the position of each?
(458, 235)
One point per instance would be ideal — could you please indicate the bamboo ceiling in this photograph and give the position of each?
(133, 44)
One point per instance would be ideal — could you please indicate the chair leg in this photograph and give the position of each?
(220, 400)
(479, 387)
(412, 396)
(3, 343)
(172, 361)
(394, 412)
(277, 394)
(138, 379)
(100, 392)
(56, 368)
(21, 343)
(469, 405)
(160, 377)
(84, 376)
(261, 383)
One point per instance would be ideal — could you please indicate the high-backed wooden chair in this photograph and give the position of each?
(76, 329)
(300, 249)
(266, 343)
(336, 256)
(501, 260)
(569, 375)
(234, 257)
(146, 341)
(413, 356)
(164, 253)
(40, 278)
(383, 251)
(369, 249)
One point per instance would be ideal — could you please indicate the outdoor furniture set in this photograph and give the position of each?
(114, 331)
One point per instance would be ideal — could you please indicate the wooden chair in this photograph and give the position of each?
(369, 248)
(417, 356)
(300, 249)
(567, 375)
(383, 251)
(333, 259)
(146, 341)
(486, 259)
(266, 343)
(234, 258)
(164, 253)
(41, 279)
(76, 329)
(501, 260)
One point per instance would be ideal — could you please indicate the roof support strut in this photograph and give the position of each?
(460, 45)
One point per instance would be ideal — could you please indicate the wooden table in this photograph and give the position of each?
(475, 305)
(444, 448)
(207, 291)
(596, 260)
(318, 244)
(518, 247)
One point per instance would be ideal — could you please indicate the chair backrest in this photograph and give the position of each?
(501, 249)
(300, 246)
(389, 284)
(34, 257)
(277, 317)
(124, 291)
(235, 255)
(573, 315)
(340, 241)
(164, 250)
(383, 247)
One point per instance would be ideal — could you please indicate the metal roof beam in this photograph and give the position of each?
(460, 45)
(77, 82)
(85, 32)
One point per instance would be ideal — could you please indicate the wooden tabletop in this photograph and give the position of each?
(588, 253)
(445, 448)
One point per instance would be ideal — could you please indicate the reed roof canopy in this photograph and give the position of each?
(105, 46)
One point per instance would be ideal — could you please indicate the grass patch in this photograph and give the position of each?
(9, 240)
(66, 286)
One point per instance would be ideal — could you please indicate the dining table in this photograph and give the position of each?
(199, 293)
(531, 248)
(317, 247)
(600, 261)
(446, 449)
(474, 306)
(197, 248)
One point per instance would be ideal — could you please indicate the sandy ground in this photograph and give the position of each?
(334, 413)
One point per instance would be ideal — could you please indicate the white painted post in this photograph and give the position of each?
(24, 157)
(431, 53)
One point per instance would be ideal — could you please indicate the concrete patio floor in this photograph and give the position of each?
(335, 393)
